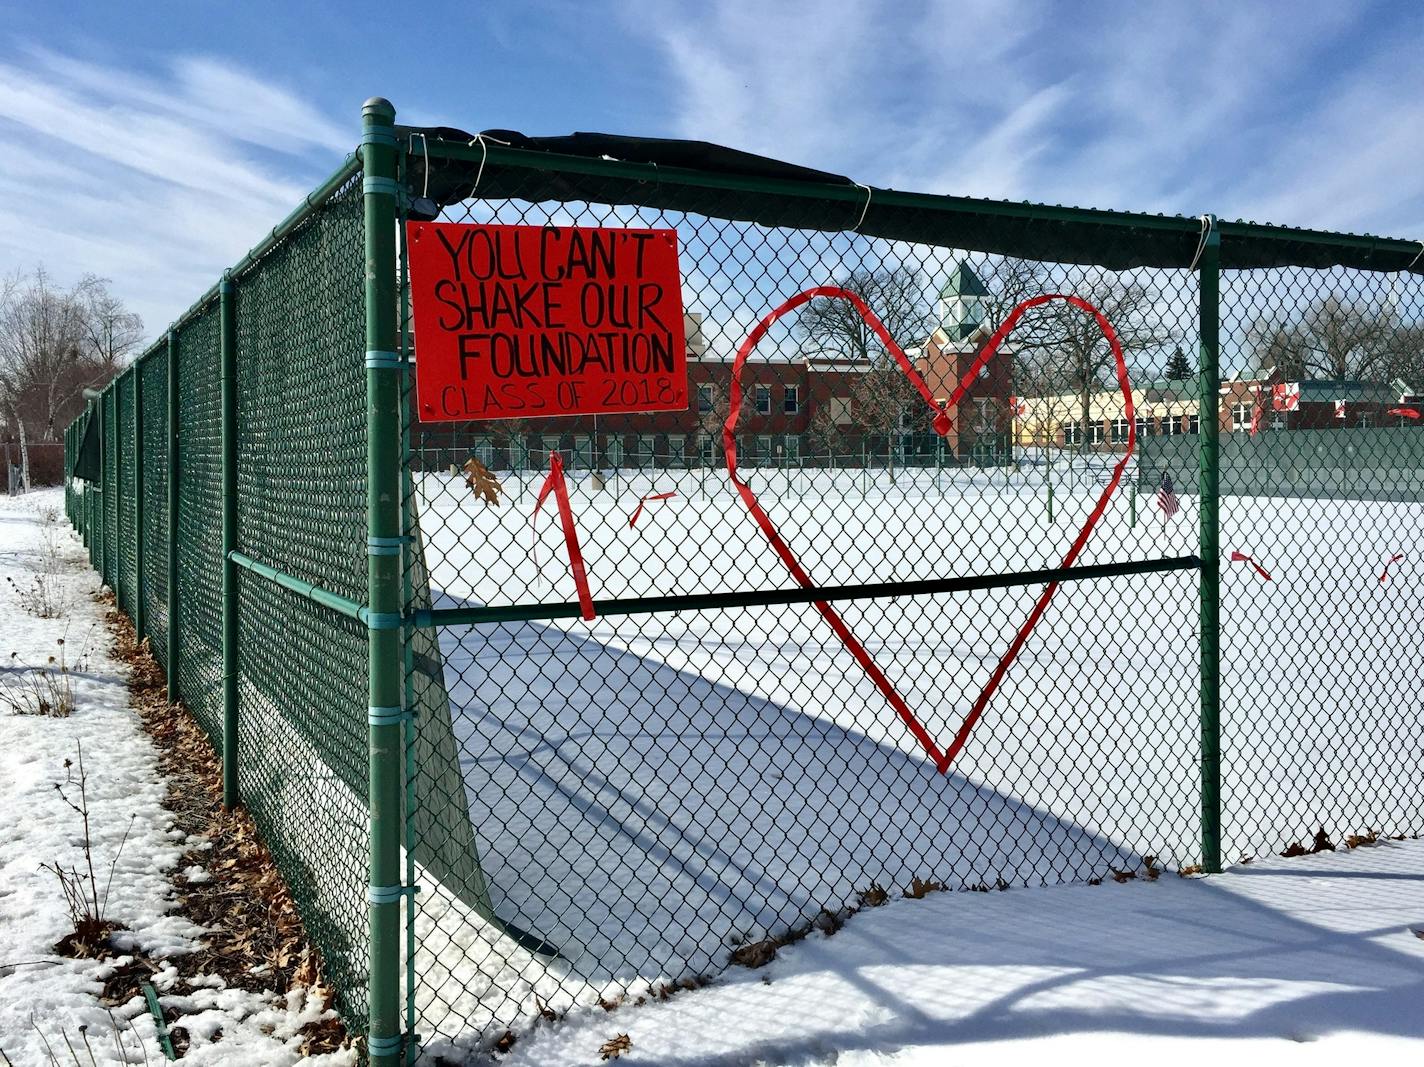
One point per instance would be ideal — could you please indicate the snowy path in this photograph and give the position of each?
(1301, 961)
(45, 997)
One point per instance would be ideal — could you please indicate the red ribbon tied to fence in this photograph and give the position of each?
(643, 500)
(1241, 557)
(941, 424)
(1404, 413)
(1384, 574)
(557, 484)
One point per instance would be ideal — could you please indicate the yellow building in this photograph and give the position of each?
(1160, 408)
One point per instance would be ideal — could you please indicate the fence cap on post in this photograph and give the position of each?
(378, 108)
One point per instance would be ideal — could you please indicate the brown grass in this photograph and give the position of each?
(255, 939)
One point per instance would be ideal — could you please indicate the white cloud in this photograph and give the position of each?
(157, 182)
(1308, 120)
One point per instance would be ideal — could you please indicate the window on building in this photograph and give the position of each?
(1144, 427)
(1171, 425)
(677, 450)
(1119, 431)
(764, 450)
(1241, 417)
(840, 411)
(1072, 434)
(793, 447)
(704, 398)
(1193, 424)
(707, 448)
(1095, 432)
(791, 400)
(763, 399)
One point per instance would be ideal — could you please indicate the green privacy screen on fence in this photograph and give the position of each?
(1029, 649)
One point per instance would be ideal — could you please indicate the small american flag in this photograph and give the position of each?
(1167, 498)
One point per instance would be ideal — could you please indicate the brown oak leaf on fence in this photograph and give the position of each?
(482, 482)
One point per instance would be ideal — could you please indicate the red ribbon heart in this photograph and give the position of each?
(941, 425)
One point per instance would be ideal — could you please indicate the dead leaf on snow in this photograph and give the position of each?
(615, 1047)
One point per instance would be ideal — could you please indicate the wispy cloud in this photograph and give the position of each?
(157, 182)
(1307, 117)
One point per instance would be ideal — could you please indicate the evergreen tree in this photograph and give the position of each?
(1178, 367)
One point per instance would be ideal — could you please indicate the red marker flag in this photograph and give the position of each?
(1384, 574)
(643, 500)
(1241, 557)
(555, 482)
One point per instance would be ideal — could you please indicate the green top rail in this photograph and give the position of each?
(1112, 239)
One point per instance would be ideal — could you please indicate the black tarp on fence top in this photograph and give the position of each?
(703, 178)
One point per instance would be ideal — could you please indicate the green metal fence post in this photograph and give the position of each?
(383, 390)
(171, 608)
(140, 616)
(1208, 431)
(227, 380)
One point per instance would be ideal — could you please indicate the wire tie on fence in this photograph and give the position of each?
(480, 139)
(865, 208)
(389, 894)
(385, 1046)
(425, 151)
(386, 546)
(378, 136)
(371, 183)
(378, 360)
(1201, 244)
(391, 716)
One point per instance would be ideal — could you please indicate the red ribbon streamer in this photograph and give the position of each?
(941, 424)
(1408, 413)
(1241, 557)
(643, 500)
(556, 483)
(1384, 574)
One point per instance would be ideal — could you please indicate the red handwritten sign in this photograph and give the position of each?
(533, 321)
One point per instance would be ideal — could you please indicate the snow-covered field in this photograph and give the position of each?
(49, 1003)
(648, 791)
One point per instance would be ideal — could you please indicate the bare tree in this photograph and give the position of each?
(895, 294)
(1059, 348)
(1337, 340)
(883, 396)
(53, 344)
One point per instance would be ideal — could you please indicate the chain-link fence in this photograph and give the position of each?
(1163, 609)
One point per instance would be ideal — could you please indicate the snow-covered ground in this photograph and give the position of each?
(49, 1002)
(1309, 961)
(649, 791)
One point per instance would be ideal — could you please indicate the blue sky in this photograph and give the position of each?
(153, 143)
